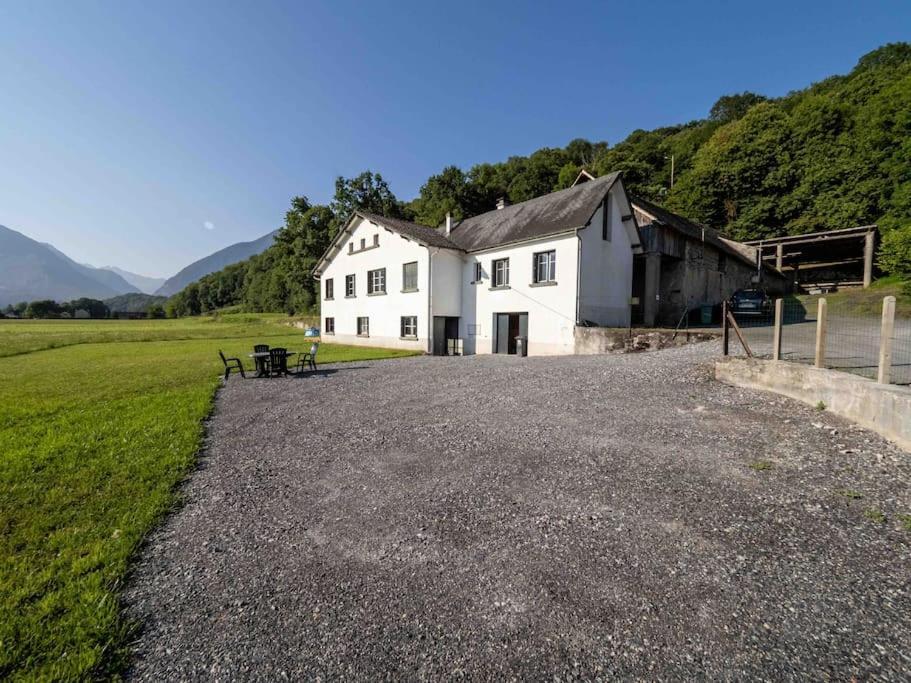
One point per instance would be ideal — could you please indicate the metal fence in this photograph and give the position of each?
(871, 341)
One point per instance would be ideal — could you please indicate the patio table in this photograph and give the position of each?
(261, 367)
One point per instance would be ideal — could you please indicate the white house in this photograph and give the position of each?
(533, 270)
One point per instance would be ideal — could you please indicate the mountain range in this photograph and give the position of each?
(224, 257)
(31, 270)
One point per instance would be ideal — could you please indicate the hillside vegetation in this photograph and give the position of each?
(836, 154)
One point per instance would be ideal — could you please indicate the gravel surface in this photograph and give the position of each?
(498, 517)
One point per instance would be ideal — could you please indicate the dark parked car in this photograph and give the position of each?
(752, 303)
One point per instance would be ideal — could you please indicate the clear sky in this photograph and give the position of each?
(148, 134)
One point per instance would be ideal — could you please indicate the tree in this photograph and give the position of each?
(44, 308)
(94, 307)
(366, 192)
(732, 107)
(156, 311)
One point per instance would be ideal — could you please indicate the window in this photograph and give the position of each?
(330, 289)
(329, 327)
(363, 327)
(363, 242)
(349, 285)
(722, 262)
(605, 219)
(545, 266)
(376, 239)
(501, 272)
(410, 277)
(410, 326)
(478, 272)
(350, 247)
(376, 281)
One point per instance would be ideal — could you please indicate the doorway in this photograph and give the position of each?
(446, 336)
(508, 327)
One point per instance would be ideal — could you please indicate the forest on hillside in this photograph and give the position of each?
(836, 154)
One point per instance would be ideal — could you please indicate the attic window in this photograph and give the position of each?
(350, 247)
(376, 239)
(605, 219)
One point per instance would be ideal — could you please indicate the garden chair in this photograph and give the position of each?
(231, 364)
(308, 359)
(262, 363)
(278, 361)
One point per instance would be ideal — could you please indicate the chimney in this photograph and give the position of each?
(448, 223)
(502, 203)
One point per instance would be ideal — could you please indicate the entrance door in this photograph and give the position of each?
(510, 326)
(445, 335)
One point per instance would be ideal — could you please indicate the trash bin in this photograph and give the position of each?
(521, 346)
(705, 315)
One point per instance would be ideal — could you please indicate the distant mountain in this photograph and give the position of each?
(31, 270)
(144, 283)
(133, 303)
(225, 257)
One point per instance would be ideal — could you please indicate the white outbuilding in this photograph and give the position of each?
(526, 274)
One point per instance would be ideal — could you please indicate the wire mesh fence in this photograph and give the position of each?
(840, 334)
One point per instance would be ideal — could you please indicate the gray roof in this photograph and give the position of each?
(546, 215)
(419, 233)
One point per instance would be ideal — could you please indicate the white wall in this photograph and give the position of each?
(607, 268)
(384, 311)
(551, 309)
(446, 272)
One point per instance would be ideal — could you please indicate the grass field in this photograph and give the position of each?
(99, 421)
(865, 302)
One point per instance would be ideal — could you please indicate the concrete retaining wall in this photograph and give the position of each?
(597, 340)
(884, 408)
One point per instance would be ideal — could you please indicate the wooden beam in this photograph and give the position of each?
(869, 243)
(885, 341)
(776, 339)
(821, 324)
(743, 341)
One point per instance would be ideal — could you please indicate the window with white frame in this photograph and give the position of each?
(376, 239)
(330, 288)
(376, 281)
(349, 285)
(363, 327)
(500, 269)
(329, 327)
(545, 266)
(410, 277)
(410, 326)
(478, 272)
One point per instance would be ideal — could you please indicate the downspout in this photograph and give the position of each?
(430, 255)
(578, 277)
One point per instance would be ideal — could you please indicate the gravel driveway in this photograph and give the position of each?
(493, 517)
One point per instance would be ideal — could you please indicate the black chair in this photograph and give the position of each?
(262, 362)
(278, 361)
(308, 359)
(232, 364)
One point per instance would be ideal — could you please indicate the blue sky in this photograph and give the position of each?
(148, 134)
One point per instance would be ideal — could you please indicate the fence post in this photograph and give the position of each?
(776, 339)
(821, 333)
(885, 341)
(725, 329)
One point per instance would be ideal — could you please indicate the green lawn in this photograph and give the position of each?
(98, 423)
(865, 302)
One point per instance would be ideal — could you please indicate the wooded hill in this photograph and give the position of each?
(834, 155)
